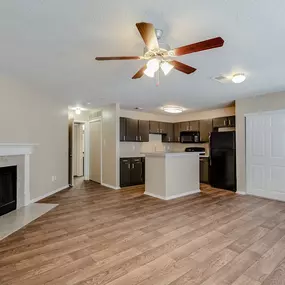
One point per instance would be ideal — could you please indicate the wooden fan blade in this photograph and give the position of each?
(148, 34)
(118, 58)
(208, 44)
(182, 67)
(140, 73)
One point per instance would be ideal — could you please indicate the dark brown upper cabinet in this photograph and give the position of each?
(143, 131)
(123, 133)
(132, 130)
(224, 122)
(184, 126)
(169, 133)
(232, 121)
(177, 131)
(206, 127)
(194, 126)
(154, 127)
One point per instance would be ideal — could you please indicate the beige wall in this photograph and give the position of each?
(269, 102)
(110, 145)
(146, 116)
(29, 117)
(84, 116)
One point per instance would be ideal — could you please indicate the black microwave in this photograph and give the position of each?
(190, 137)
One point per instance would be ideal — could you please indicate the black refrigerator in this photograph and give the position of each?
(223, 160)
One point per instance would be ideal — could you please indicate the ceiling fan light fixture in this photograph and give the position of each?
(148, 72)
(172, 109)
(238, 78)
(153, 65)
(166, 67)
(78, 111)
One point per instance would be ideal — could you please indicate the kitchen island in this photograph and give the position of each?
(169, 175)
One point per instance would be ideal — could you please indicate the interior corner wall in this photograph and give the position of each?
(29, 117)
(268, 102)
(110, 145)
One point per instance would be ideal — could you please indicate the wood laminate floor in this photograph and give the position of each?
(102, 236)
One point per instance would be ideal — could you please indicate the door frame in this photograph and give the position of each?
(86, 147)
(248, 115)
(98, 119)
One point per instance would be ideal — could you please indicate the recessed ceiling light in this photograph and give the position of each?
(172, 109)
(238, 78)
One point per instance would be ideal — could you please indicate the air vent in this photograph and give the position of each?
(222, 79)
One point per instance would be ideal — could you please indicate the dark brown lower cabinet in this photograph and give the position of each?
(204, 170)
(131, 171)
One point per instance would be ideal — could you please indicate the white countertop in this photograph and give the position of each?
(162, 153)
(132, 156)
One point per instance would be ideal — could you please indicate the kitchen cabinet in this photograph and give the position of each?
(176, 132)
(194, 126)
(184, 126)
(206, 127)
(169, 136)
(154, 127)
(224, 122)
(143, 134)
(123, 131)
(131, 129)
(131, 171)
(204, 170)
(232, 121)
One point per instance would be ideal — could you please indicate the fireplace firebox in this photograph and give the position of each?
(8, 189)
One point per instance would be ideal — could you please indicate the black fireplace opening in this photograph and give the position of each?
(8, 189)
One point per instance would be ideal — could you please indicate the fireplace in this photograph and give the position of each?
(8, 189)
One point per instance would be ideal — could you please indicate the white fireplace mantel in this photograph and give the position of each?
(16, 148)
(26, 149)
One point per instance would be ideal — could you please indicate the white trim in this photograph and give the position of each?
(264, 112)
(173, 196)
(241, 193)
(48, 194)
(110, 186)
(16, 148)
(27, 180)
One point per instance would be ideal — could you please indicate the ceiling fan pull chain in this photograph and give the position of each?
(157, 78)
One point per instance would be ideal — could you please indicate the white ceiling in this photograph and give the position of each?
(50, 45)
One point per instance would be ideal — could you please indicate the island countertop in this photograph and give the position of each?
(162, 153)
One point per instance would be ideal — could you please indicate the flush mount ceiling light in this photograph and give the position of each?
(78, 111)
(172, 109)
(238, 78)
(166, 67)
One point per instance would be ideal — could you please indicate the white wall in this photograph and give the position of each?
(29, 117)
(268, 102)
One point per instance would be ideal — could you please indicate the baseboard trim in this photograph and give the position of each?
(110, 186)
(48, 194)
(173, 196)
(241, 192)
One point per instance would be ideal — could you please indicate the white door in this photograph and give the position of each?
(265, 155)
(95, 151)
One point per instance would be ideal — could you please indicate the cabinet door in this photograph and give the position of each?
(143, 170)
(125, 172)
(154, 127)
(204, 170)
(143, 131)
(136, 171)
(194, 126)
(176, 132)
(206, 127)
(220, 122)
(132, 130)
(123, 129)
(163, 127)
(184, 126)
(232, 121)
(168, 137)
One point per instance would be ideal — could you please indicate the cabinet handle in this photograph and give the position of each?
(129, 166)
(224, 122)
(140, 138)
(229, 122)
(190, 128)
(124, 138)
(133, 165)
(136, 138)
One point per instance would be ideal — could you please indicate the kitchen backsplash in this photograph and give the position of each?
(133, 149)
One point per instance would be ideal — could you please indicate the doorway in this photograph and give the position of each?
(95, 151)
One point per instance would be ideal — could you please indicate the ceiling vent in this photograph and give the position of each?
(222, 79)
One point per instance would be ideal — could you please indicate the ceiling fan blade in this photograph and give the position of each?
(182, 67)
(140, 73)
(208, 44)
(148, 34)
(118, 58)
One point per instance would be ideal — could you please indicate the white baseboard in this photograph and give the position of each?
(173, 196)
(241, 193)
(110, 186)
(48, 194)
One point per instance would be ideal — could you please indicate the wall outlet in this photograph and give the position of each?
(54, 178)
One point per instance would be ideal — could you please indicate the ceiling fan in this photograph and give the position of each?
(160, 55)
